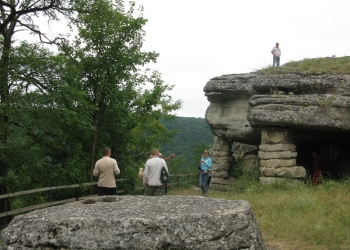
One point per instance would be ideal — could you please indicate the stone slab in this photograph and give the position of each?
(277, 163)
(288, 172)
(138, 222)
(275, 137)
(220, 174)
(277, 147)
(277, 155)
(224, 159)
(221, 166)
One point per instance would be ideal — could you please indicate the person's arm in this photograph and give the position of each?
(116, 170)
(145, 175)
(169, 157)
(96, 171)
(207, 162)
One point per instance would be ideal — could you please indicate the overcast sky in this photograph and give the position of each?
(201, 39)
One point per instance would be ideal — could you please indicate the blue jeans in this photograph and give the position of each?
(276, 61)
(204, 182)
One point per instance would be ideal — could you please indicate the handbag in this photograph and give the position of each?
(140, 174)
(164, 176)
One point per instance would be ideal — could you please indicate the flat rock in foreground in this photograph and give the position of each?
(138, 222)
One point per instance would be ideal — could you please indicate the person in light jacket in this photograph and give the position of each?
(205, 165)
(276, 52)
(106, 169)
(151, 175)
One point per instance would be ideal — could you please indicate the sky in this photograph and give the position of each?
(201, 39)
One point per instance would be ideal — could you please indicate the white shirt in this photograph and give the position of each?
(151, 173)
(276, 51)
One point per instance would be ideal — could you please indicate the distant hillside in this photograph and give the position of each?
(192, 137)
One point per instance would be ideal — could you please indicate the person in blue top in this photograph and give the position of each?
(205, 164)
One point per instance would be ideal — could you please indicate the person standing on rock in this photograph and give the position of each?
(151, 175)
(276, 52)
(106, 169)
(205, 165)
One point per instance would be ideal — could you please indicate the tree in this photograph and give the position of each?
(16, 16)
(108, 53)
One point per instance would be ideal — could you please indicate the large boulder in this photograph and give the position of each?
(138, 222)
(313, 107)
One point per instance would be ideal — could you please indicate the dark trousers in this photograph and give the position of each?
(102, 191)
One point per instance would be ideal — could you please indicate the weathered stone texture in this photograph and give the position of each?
(222, 162)
(220, 154)
(271, 180)
(276, 109)
(223, 159)
(220, 174)
(289, 172)
(221, 166)
(138, 222)
(243, 104)
(275, 136)
(275, 163)
(277, 155)
(277, 147)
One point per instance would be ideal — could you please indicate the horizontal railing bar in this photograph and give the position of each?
(38, 190)
(169, 184)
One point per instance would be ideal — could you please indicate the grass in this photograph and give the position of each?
(316, 66)
(299, 217)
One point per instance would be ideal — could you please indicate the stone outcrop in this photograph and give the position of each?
(277, 147)
(129, 222)
(222, 161)
(313, 109)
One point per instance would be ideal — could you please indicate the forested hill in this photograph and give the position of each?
(192, 137)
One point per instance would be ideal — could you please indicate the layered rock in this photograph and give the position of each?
(278, 157)
(313, 109)
(222, 161)
(129, 222)
(242, 104)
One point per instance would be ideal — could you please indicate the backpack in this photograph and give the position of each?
(164, 176)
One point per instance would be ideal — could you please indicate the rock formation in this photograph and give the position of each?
(137, 222)
(286, 116)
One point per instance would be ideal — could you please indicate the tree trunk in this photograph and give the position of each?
(4, 118)
(93, 147)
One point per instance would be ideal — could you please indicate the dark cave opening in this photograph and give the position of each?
(335, 153)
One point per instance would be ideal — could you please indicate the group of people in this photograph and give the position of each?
(107, 168)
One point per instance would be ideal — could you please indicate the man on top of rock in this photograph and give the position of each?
(151, 175)
(276, 52)
(106, 168)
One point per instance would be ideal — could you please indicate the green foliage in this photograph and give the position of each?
(62, 108)
(128, 103)
(193, 136)
(296, 217)
(315, 66)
